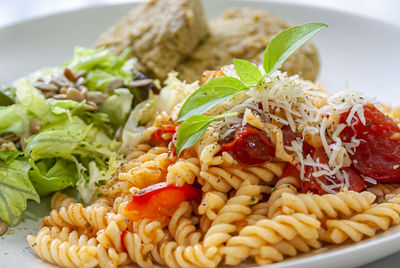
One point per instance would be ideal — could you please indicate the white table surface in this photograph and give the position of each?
(13, 11)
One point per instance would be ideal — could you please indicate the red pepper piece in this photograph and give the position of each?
(159, 200)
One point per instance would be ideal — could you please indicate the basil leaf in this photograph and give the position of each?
(193, 128)
(209, 95)
(247, 71)
(285, 44)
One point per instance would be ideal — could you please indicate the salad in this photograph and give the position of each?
(64, 127)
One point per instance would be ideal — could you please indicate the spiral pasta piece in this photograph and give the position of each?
(208, 156)
(366, 223)
(72, 237)
(298, 244)
(137, 251)
(181, 227)
(59, 200)
(269, 232)
(220, 179)
(211, 203)
(78, 216)
(258, 212)
(63, 253)
(183, 171)
(138, 150)
(235, 209)
(327, 205)
(149, 231)
(151, 154)
(207, 149)
(147, 173)
(274, 202)
(162, 119)
(381, 190)
(266, 172)
(189, 256)
(115, 188)
(110, 237)
(266, 255)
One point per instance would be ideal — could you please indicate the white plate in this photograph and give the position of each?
(354, 49)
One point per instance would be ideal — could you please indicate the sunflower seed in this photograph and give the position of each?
(96, 97)
(74, 94)
(114, 84)
(60, 96)
(34, 126)
(80, 82)
(69, 75)
(80, 74)
(141, 83)
(45, 86)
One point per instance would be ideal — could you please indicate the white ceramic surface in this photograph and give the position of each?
(357, 50)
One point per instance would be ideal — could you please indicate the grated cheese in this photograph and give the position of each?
(291, 101)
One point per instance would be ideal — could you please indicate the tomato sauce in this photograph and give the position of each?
(378, 155)
(313, 185)
(250, 146)
(156, 138)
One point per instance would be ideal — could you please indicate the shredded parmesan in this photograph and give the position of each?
(305, 108)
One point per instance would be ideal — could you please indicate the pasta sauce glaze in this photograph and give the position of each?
(378, 155)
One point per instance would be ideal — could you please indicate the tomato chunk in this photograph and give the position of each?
(313, 184)
(250, 146)
(378, 155)
(156, 135)
(159, 200)
(289, 136)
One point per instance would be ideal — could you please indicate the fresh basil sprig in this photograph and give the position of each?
(286, 43)
(209, 95)
(219, 89)
(193, 128)
(247, 71)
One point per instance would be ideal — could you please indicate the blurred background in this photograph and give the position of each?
(17, 10)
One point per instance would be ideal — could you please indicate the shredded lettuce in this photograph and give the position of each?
(50, 175)
(14, 119)
(15, 189)
(67, 137)
(101, 66)
(9, 156)
(74, 147)
(7, 95)
(118, 106)
(133, 131)
(31, 100)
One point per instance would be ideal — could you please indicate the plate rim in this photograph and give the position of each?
(380, 239)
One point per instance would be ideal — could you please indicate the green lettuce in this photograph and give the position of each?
(118, 106)
(67, 137)
(14, 119)
(7, 95)
(9, 156)
(55, 174)
(32, 101)
(15, 189)
(101, 66)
